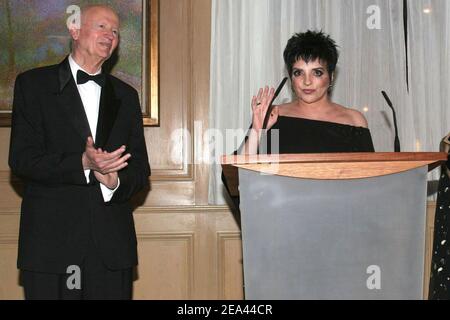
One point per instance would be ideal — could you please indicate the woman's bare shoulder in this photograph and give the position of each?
(286, 109)
(356, 118)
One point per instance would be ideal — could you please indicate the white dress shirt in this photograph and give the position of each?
(90, 93)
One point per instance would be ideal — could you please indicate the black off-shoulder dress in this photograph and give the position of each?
(300, 135)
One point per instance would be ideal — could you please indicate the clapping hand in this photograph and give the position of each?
(105, 165)
(102, 161)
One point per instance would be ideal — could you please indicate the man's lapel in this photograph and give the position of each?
(107, 114)
(69, 99)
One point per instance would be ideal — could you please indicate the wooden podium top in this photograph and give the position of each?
(329, 166)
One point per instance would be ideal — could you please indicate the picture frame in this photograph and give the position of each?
(150, 94)
(145, 75)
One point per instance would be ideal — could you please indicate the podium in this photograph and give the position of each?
(332, 225)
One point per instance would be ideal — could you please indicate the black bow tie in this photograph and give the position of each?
(83, 77)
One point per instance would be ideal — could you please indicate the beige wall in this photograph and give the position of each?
(187, 249)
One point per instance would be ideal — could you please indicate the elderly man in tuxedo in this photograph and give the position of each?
(77, 141)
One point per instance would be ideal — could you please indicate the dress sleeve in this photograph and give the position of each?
(366, 144)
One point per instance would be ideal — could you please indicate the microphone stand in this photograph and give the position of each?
(396, 141)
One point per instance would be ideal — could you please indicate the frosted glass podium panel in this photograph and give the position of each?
(333, 239)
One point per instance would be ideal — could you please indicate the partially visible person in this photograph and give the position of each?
(439, 288)
(312, 122)
(77, 141)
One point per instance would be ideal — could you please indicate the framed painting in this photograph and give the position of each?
(34, 34)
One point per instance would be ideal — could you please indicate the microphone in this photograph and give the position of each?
(269, 110)
(396, 141)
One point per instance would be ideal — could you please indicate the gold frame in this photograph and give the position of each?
(150, 64)
(150, 83)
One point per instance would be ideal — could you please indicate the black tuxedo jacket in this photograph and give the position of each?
(61, 212)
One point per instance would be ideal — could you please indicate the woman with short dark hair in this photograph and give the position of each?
(310, 46)
(312, 122)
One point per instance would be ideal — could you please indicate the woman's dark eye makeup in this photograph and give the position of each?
(297, 72)
(316, 72)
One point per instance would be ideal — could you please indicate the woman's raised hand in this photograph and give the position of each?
(260, 105)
